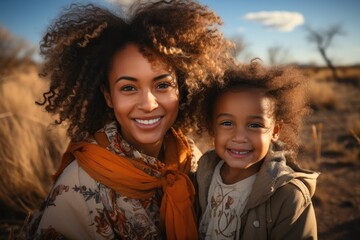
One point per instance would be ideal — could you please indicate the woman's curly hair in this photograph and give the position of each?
(79, 46)
(285, 85)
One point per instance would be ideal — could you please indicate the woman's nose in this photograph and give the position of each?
(148, 101)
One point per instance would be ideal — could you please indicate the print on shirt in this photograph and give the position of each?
(222, 209)
(55, 193)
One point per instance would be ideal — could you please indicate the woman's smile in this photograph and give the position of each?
(145, 98)
(148, 123)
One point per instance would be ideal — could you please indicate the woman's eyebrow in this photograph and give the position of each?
(162, 76)
(135, 79)
(125, 78)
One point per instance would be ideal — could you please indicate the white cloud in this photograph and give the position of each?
(281, 21)
(125, 3)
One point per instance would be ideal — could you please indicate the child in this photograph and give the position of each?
(124, 85)
(250, 187)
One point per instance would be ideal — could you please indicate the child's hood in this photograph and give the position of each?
(275, 172)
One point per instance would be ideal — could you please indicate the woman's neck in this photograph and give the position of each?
(153, 150)
(150, 149)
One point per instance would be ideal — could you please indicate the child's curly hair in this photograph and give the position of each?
(79, 46)
(286, 86)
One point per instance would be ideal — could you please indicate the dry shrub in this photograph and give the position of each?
(341, 153)
(30, 150)
(322, 95)
(352, 156)
(309, 71)
(334, 148)
(349, 72)
(354, 125)
(320, 74)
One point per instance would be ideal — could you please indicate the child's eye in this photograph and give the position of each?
(226, 123)
(127, 88)
(255, 125)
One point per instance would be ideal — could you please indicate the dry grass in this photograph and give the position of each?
(322, 95)
(336, 105)
(15, 52)
(354, 125)
(30, 150)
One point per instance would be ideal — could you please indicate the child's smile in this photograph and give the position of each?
(244, 128)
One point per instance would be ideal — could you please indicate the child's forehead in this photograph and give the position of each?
(248, 96)
(245, 90)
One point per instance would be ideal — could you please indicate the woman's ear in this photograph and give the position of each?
(276, 131)
(107, 97)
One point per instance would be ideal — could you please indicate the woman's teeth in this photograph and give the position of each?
(147, 122)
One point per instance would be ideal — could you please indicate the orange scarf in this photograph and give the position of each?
(125, 176)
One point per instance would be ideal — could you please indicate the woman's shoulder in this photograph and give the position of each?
(70, 206)
(75, 177)
(194, 149)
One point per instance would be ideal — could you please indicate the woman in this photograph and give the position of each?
(125, 87)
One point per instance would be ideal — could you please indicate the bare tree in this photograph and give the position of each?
(323, 40)
(239, 45)
(277, 55)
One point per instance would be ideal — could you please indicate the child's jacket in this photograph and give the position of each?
(279, 205)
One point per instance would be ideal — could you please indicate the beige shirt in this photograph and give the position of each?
(221, 219)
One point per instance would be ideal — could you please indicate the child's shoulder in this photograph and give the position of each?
(294, 196)
(209, 157)
(208, 161)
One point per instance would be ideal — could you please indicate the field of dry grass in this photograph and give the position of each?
(30, 150)
(336, 117)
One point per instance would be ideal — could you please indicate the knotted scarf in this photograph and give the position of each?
(126, 176)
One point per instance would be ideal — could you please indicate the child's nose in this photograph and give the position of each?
(239, 135)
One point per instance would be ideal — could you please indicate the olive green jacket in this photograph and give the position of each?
(279, 205)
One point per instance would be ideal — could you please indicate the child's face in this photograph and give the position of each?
(144, 97)
(244, 128)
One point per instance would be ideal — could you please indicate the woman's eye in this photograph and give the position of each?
(163, 85)
(127, 88)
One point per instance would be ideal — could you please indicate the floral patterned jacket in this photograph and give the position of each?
(78, 207)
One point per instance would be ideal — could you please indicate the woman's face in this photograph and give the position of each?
(145, 98)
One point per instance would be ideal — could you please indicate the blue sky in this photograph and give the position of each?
(29, 19)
